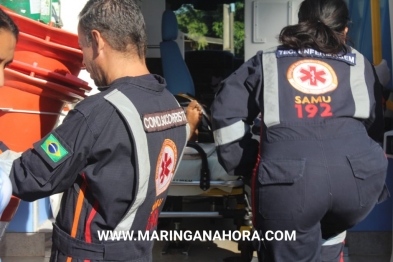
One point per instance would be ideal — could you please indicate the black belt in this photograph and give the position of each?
(113, 251)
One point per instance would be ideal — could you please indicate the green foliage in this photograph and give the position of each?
(199, 24)
(192, 22)
(239, 37)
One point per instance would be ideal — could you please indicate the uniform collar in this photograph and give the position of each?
(150, 82)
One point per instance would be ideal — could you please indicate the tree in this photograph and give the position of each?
(238, 28)
(199, 24)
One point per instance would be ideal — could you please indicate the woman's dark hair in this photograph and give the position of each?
(321, 27)
(8, 24)
(120, 22)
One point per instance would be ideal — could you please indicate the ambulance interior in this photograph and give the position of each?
(194, 64)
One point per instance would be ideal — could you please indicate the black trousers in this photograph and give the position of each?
(318, 182)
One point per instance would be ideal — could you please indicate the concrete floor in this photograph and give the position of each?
(209, 251)
(225, 251)
(199, 251)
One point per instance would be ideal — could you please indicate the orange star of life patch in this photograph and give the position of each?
(166, 165)
(312, 77)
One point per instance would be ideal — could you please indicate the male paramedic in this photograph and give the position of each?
(116, 153)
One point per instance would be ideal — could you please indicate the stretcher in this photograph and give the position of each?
(196, 176)
(200, 176)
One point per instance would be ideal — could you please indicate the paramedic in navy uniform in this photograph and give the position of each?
(116, 152)
(318, 170)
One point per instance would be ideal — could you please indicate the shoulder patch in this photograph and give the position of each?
(164, 120)
(349, 58)
(312, 77)
(54, 149)
(166, 165)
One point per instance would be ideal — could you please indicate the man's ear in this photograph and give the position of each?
(98, 41)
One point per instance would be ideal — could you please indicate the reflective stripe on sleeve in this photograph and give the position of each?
(230, 133)
(337, 239)
(271, 115)
(131, 115)
(359, 87)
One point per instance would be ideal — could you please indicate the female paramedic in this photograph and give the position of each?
(318, 171)
(8, 37)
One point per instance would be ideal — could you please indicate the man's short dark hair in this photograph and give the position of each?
(120, 23)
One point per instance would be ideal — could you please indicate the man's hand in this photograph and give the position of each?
(194, 114)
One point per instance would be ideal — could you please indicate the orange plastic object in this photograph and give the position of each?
(43, 31)
(22, 130)
(10, 210)
(6, 9)
(70, 57)
(41, 61)
(61, 77)
(41, 87)
(30, 108)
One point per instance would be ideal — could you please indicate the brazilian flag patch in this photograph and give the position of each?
(54, 149)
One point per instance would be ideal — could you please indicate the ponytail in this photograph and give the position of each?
(314, 35)
(321, 26)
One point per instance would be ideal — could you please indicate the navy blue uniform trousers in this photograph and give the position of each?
(317, 180)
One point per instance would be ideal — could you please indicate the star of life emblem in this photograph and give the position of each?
(312, 77)
(166, 165)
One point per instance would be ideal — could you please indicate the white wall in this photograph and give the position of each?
(262, 26)
(69, 11)
(152, 11)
